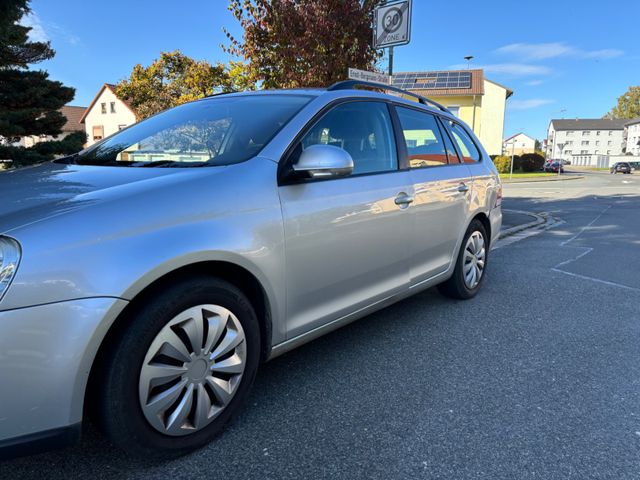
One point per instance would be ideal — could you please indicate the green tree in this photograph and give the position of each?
(628, 105)
(174, 79)
(303, 43)
(29, 101)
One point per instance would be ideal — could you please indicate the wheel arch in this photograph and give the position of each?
(233, 273)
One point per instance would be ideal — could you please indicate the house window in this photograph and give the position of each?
(586, 133)
(98, 132)
(568, 152)
(570, 133)
(598, 133)
(597, 152)
(597, 143)
(608, 152)
(455, 109)
(609, 143)
(121, 127)
(585, 142)
(584, 152)
(570, 142)
(113, 107)
(103, 107)
(610, 132)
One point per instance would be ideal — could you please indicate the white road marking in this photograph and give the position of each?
(598, 280)
(585, 227)
(587, 251)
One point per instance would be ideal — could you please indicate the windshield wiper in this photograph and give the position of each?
(170, 163)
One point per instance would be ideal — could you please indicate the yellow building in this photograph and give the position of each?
(470, 96)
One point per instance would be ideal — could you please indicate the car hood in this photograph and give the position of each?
(32, 194)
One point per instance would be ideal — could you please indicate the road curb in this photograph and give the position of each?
(539, 219)
(541, 179)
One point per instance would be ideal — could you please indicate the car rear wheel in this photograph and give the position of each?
(471, 264)
(180, 369)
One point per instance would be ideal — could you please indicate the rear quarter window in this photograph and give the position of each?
(467, 147)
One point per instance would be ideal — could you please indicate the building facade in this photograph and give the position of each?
(479, 102)
(519, 144)
(631, 137)
(567, 138)
(106, 115)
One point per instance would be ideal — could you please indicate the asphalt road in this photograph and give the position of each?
(538, 377)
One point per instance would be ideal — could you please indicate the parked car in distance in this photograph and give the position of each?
(147, 276)
(620, 167)
(553, 166)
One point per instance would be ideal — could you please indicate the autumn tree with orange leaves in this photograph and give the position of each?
(304, 43)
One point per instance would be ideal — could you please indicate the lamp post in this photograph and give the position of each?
(468, 58)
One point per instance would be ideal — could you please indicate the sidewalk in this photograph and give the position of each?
(556, 178)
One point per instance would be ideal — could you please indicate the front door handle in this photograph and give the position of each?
(463, 187)
(403, 200)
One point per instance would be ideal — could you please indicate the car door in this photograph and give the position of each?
(441, 185)
(345, 238)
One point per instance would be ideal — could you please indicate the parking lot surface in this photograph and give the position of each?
(536, 378)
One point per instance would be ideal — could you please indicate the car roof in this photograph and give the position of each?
(336, 94)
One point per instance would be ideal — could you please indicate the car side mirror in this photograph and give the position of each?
(324, 161)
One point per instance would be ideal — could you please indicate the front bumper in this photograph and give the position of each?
(46, 353)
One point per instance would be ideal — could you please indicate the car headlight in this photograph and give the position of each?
(9, 259)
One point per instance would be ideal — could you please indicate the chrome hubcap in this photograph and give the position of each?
(474, 260)
(192, 369)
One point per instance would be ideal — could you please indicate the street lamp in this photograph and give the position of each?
(468, 58)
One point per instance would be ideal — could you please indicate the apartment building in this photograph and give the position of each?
(602, 136)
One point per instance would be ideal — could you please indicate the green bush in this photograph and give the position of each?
(502, 163)
(529, 162)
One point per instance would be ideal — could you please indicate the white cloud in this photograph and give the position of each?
(37, 32)
(528, 104)
(605, 53)
(534, 83)
(45, 31)
(512, 69)
(544, 51)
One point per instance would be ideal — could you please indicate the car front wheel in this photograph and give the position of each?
(180, 369)
(471, 264)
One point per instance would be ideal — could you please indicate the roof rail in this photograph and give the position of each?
(349, 84)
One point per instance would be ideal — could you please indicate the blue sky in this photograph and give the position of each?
(556, 55)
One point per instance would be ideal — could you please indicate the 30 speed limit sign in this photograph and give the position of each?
(392, 24)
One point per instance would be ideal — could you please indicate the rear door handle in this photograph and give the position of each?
(463, 188)
(403, 200)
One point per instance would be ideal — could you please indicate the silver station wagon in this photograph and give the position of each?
(144, 279)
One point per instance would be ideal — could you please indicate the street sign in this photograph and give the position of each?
(392, 24)
(365, 76)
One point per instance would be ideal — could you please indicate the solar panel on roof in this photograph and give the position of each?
(433, 80)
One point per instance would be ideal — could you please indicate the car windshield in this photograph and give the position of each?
(215, 131)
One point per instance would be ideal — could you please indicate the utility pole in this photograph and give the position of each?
(513, 152)
(390, 61)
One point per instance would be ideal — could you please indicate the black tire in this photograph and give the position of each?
(117, 410)
(455, 287)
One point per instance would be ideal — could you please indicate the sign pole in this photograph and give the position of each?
(391, 61)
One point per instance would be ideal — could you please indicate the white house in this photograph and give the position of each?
(568, 138)
(632, 137)
(106, 114)
(519, 144)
